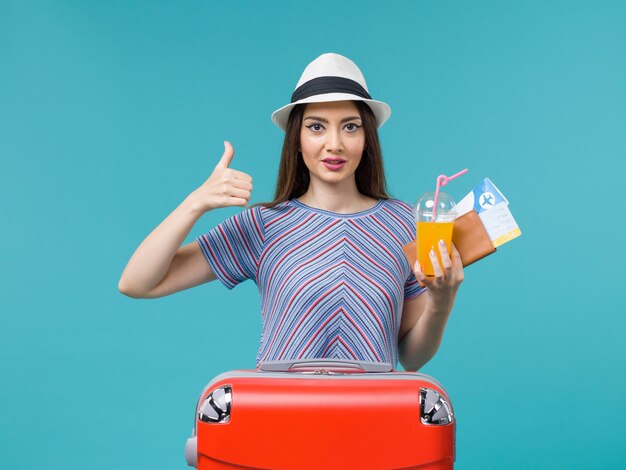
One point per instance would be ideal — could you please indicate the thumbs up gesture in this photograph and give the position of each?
(225, 187)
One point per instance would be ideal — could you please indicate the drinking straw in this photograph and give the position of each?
(442, 180)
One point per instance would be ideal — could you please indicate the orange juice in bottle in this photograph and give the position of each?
(432, 226)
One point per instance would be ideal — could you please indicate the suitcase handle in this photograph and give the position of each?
(324, 366)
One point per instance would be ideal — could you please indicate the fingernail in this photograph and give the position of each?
(442, 243)
(416, 266)
(432, 252)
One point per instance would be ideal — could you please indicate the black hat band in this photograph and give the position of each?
(323, 85)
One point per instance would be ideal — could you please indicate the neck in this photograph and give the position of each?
(344, 199)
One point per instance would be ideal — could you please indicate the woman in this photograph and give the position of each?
(327, 252)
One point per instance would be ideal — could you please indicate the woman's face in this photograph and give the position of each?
(332, 140)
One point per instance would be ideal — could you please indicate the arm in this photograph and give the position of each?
(424, 318)
(160, 266)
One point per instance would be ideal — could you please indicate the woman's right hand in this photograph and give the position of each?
(160, 265)
(225, 187)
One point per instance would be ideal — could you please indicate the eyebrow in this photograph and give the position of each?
(321, 119)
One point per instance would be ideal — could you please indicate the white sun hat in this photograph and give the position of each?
(331, 77)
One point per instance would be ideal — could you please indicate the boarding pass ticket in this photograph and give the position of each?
(492, 208)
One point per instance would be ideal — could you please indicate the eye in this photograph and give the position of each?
(352, 127)
(317, 127)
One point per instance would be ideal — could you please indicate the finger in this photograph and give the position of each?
(457, 264)
(241, 184)
(446, 263)
(419, 275)
(239, 193)
(456, 256)
(435, 262)
(237, 201)
(240, 175)
(234, 201)
(227, 156)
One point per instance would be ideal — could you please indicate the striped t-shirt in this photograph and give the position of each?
(332, 285)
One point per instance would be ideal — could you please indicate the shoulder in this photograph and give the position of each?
(261, 212)
(271, 213)
(399, 208)
(268, 216)
(398, 217)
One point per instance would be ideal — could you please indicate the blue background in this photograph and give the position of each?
(112, 112)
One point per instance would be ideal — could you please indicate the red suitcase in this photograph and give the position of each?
(323, 414)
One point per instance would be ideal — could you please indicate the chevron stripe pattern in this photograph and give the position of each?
(332, 285)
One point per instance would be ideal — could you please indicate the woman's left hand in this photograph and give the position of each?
(448, 277)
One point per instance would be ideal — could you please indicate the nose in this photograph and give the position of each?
(334, 143)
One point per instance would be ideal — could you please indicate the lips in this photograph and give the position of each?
(334, 164)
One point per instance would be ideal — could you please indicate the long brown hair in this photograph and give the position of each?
(293, 175)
